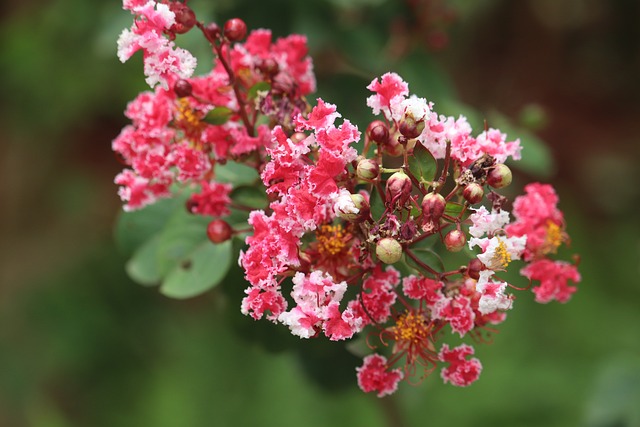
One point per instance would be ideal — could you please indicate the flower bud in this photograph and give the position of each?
(182, 88)
(474, 267)
(499, 176)
(269, 67)
(433, 205)
(455, 240)
(367, 169)
(410, 127)
(393, 147)
(235, 29)
(473, 193)
(378, 132)
(388, 250)
(219, 231)
(354, 207)
(185, 18)
(212, 31)
(398, 188)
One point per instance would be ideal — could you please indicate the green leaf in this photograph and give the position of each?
(134, 228)
(258, 87)
(180, 235)
(236, 173)
(144, 267)
(428, 257)
(453, 209)
(376, 204)
(422, 164)
(218, 116)
(201, 270)
(252, 197)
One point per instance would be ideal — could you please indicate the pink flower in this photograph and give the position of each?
(139, 192)
(190, 162)
(213, 199)
(494, 143)
(374, 375)
(390, 86)
(554, 277)
(259, 302)
(377, 296)
(295, 69)
(163, 62)
(460, 372)
(321, 116)
(423, 288)
(457, 312)
(538, 217)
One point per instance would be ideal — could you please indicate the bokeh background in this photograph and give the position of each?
(82, 345)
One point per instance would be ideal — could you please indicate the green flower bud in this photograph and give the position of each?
(389, 250)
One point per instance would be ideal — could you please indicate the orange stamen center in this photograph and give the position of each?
(331, 239)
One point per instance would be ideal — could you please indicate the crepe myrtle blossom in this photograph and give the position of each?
(461, 371)
(346, 232)
(164, 63)
(374, 375)
(554, 277)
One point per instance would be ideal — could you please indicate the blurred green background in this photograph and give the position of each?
(81, 345)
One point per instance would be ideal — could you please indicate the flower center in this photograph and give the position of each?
(554, 238)
(187, 116)
(411, 327)
(331, 239)
(501, 255)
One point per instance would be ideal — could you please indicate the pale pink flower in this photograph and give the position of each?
(499, 251)
(492, 293)
(485, 223)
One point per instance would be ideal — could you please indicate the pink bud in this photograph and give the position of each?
(398, 188)
(455, 240)
(433, 205)
(219, 231)
(473, 193)
(499, 176)
(410, 127)
(185, 19)
(378, 132)
(235, 29)
(474, 267)
(182, 88)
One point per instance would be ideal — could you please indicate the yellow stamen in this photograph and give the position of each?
(410, 328)
(501, 255)
(555, 237)
(187, 115)
(331, 239)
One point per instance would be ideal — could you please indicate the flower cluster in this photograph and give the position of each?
(348, 241)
